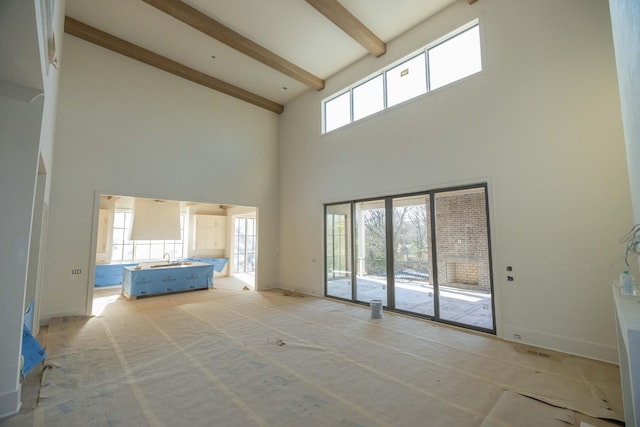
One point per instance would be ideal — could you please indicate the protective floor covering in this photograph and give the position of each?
(231, 357)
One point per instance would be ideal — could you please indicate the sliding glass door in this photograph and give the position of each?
(338, 250)
(426, 254)
(371, 241)
(412, 257)
(462, 245)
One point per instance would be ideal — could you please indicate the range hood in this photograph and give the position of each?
(155, 220)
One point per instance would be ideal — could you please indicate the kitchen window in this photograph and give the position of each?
(124, 249)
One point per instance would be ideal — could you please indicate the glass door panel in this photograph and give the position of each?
(462, 246)
(244, 253)
(338, 251)
(412, 258)
(371, 242)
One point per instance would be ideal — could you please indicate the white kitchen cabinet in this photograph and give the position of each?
(103, 230)
(211, 232)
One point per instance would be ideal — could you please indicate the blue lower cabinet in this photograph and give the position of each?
(153, 281)
(192, 280)
(170, 282)
(143, 287)
(109, 274)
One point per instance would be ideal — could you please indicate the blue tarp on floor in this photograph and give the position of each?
(32, 351)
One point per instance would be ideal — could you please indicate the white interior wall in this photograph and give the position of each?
(625, 22)
(19, 134)
(26, 142)
(541, 124)
(126, 128)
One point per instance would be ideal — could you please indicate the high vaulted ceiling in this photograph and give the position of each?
(266, 52)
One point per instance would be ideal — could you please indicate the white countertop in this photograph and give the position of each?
(162, 265)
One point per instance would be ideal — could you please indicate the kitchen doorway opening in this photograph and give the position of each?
(207, 234)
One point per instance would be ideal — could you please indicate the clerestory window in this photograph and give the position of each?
(443, 62)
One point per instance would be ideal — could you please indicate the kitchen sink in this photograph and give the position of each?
(171, 264)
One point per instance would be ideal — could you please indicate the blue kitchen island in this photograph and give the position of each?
(155, 279)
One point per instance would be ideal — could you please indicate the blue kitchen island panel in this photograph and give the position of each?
(109, 274)
(153, 281)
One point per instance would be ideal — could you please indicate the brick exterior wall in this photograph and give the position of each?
(465, 273)
(461, 232)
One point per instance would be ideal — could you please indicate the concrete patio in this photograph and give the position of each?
(464, 306)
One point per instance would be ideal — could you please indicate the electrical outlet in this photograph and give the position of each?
(517, 336)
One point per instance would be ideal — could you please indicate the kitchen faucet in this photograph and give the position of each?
(167, 257)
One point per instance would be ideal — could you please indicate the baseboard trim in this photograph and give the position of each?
(587, 349)
(10, 402)
(304, 291)
(574, 347)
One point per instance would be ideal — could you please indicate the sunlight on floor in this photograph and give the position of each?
(446, 293)
(248, 278)
(460, 296)
(100, 303)
(422, 289)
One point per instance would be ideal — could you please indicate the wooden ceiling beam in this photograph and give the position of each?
(201, 22)
(108, 41)
(342, 18)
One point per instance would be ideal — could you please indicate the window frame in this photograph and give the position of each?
(248, 252)
(333, 98)
(360, 85)
(383, 71)
(335, 232)
(459, 32)
(398, 65)
(126, 229)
